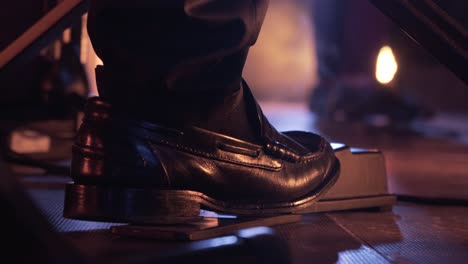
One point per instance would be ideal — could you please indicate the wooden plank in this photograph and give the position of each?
(383, 201)
(37, 33)
(412, 233)
(318, 239)
(204, 228)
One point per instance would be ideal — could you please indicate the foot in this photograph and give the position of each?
(136, 171)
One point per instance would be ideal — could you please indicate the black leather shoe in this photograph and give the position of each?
(136, 171)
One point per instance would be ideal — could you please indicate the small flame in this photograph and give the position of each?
(386, 66)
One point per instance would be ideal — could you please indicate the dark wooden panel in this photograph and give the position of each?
(412, 233)
(318, 239)
(203, 228)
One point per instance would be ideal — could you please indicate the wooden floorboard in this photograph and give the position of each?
(318, 239)
(412, 233)
(409, 233)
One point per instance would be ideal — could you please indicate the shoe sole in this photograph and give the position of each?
(140, 205)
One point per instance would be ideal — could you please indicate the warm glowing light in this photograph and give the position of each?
(387, 65)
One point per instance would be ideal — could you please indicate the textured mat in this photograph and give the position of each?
(51, 204)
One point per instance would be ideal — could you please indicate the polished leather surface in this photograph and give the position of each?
(112, 149)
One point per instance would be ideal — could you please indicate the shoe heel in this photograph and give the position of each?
(130, 205)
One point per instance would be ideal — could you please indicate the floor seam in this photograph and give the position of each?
(356, 237)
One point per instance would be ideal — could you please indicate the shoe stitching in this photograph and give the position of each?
(218, 157)
(302, 160)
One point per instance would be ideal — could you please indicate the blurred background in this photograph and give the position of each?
(336, 67)
(339, 68)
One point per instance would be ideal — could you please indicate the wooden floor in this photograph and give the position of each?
(408, 233)
(420, 165)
